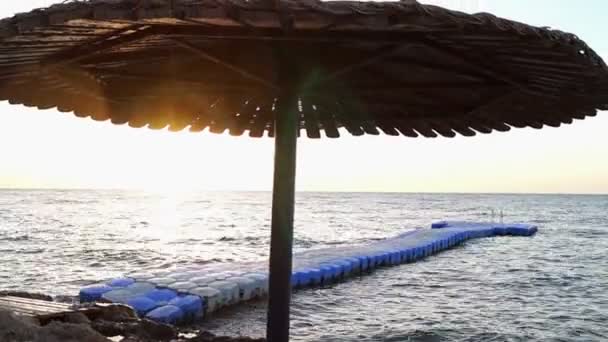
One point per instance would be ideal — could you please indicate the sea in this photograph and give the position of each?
(550, 287)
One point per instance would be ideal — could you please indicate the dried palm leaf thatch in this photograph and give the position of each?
(401, 68)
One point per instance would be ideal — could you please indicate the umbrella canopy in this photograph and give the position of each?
(279, 67)
(395, 67)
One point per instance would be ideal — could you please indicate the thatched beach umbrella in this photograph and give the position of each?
(259, 67)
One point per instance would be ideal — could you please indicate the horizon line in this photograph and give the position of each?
(309, 191)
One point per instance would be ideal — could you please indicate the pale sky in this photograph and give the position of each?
(47, 149)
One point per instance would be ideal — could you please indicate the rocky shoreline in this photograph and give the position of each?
(99, 324)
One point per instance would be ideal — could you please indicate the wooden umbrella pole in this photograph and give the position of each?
(283, 197)
(286, 126)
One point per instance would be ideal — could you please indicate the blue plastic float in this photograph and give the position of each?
(184, 295)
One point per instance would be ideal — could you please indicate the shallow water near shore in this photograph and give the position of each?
(551, 287)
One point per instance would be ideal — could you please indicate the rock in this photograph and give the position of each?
(145, 330)
(76, 318)
(209, 337)
(15, 328)
(113, 313)
(68, 332)
(109, 329)
(66, 299)
(156, 330)
(134, 339)
(23, 294)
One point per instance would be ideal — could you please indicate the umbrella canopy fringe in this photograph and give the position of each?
(396, 68)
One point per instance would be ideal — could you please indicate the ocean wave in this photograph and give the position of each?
(550, 287)
(15, 238)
